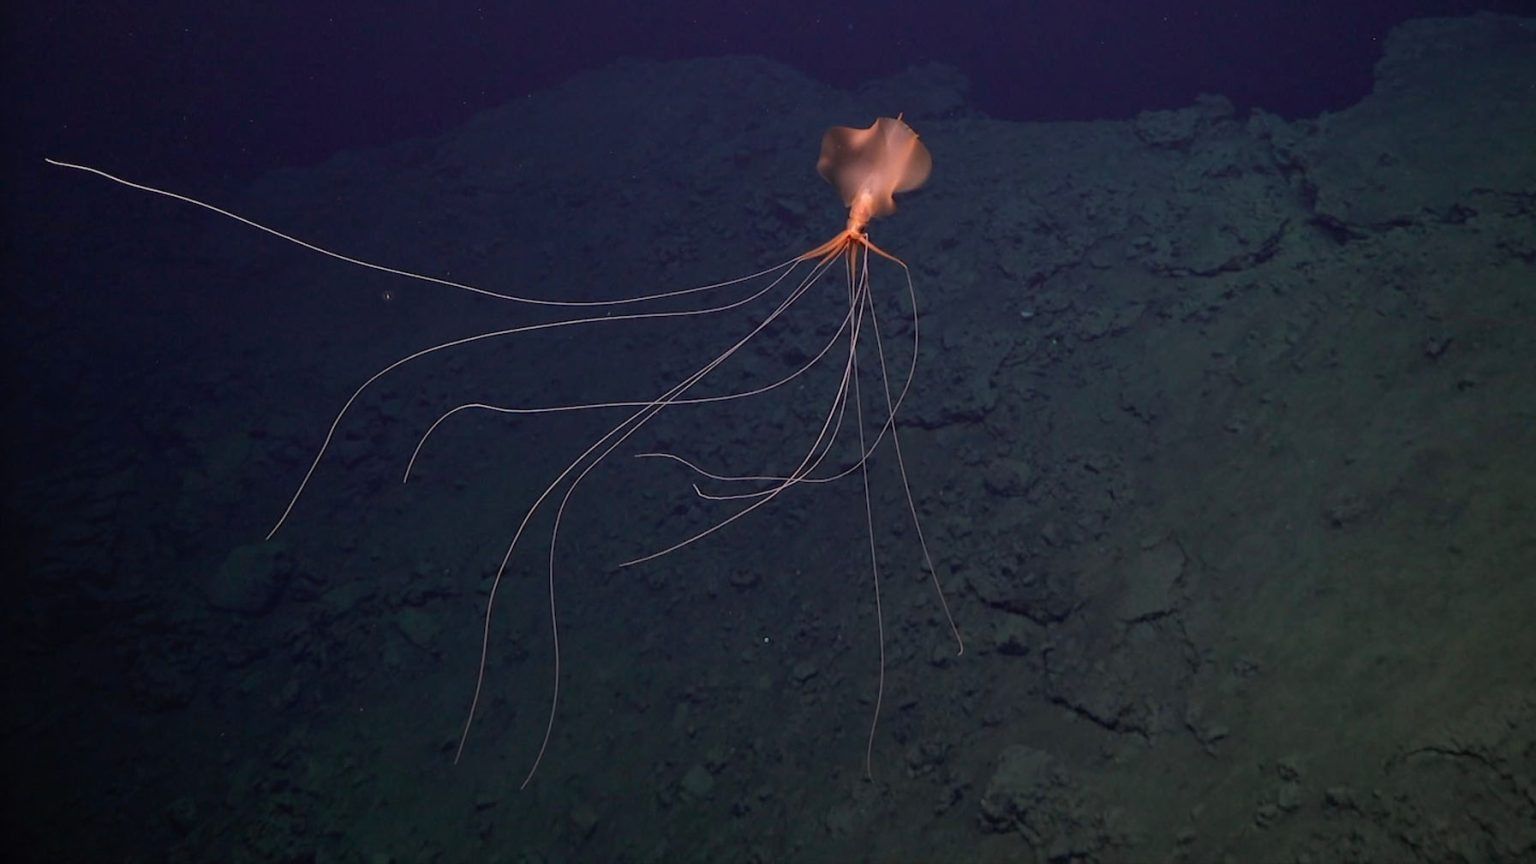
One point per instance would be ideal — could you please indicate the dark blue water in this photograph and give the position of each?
(252, 85)
(1216, 449)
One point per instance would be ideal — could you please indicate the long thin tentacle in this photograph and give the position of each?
(585, 462)
(420, 277)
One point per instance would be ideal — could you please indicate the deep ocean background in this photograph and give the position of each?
(247, 86)
(1221, 434)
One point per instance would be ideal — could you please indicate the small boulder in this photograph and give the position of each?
(249, 580)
